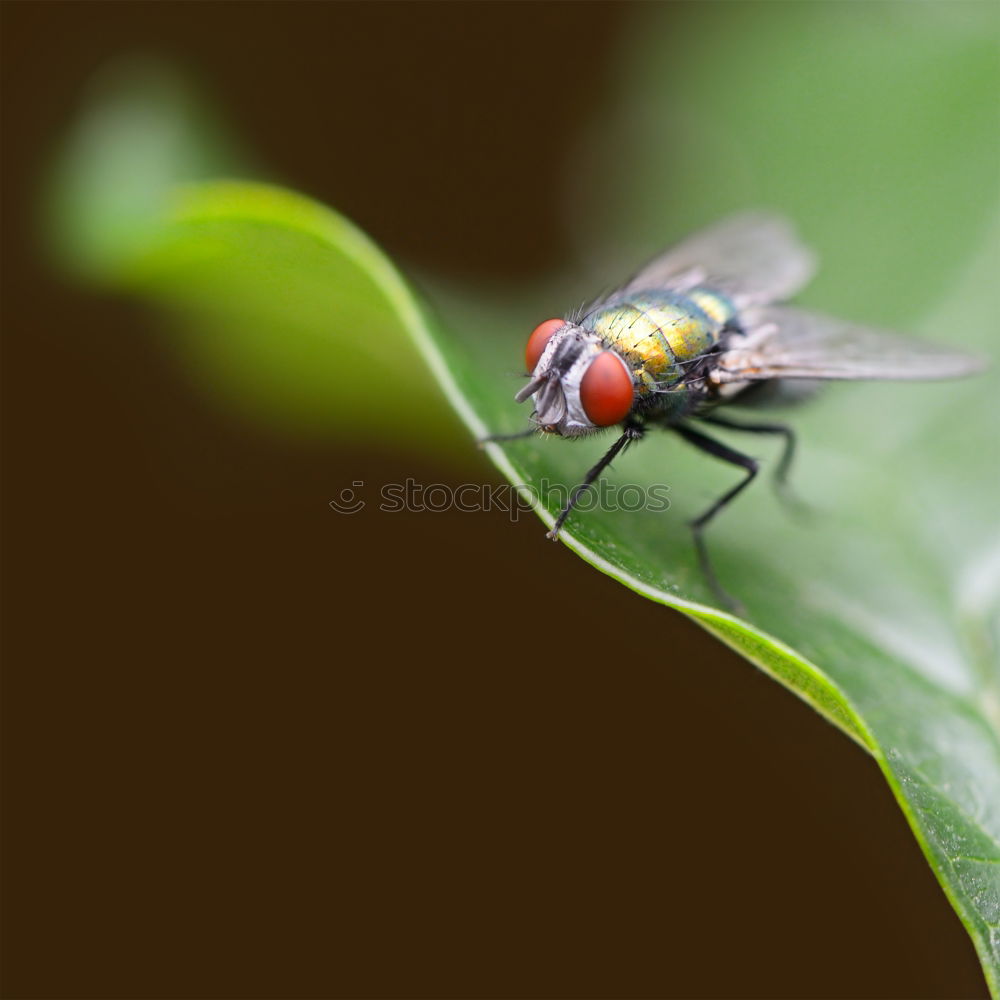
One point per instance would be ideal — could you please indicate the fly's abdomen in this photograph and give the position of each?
(713, 304)
(658, 334)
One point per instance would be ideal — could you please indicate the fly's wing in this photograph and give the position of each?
(784, 342)
(754, 258)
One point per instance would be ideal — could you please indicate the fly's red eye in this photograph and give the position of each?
(606, 390)
(540, 336)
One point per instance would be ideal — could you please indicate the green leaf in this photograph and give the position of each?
(881, 610)
(880, 613)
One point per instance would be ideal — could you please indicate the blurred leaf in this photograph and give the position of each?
(143, 128)
(874, 126)
(277, 305)
(293, 314)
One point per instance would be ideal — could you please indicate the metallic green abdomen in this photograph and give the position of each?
(659, 333)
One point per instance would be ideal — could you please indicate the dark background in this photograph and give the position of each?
(255, 749)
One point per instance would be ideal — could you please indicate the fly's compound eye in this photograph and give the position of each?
(538, 340)
(606, 390)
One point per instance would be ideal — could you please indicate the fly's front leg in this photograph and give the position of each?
(633, 432)
(719, 450)
(516, 436)
(781, 484)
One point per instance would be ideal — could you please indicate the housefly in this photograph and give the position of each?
(699, 327)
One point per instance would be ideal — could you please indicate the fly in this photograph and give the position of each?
(699, 327)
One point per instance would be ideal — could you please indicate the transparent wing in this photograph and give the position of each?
(784, 342)
(754, 258)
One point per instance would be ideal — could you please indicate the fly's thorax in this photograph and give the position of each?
(557, 378)
(657, 333)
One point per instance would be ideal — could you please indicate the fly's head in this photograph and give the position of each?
(577, 384)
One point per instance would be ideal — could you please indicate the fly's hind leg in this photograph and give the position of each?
(781, 484)
(719, 450)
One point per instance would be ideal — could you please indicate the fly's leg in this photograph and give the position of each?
(785, 492)
(633, 432)
(516, 436)
(719, 450)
